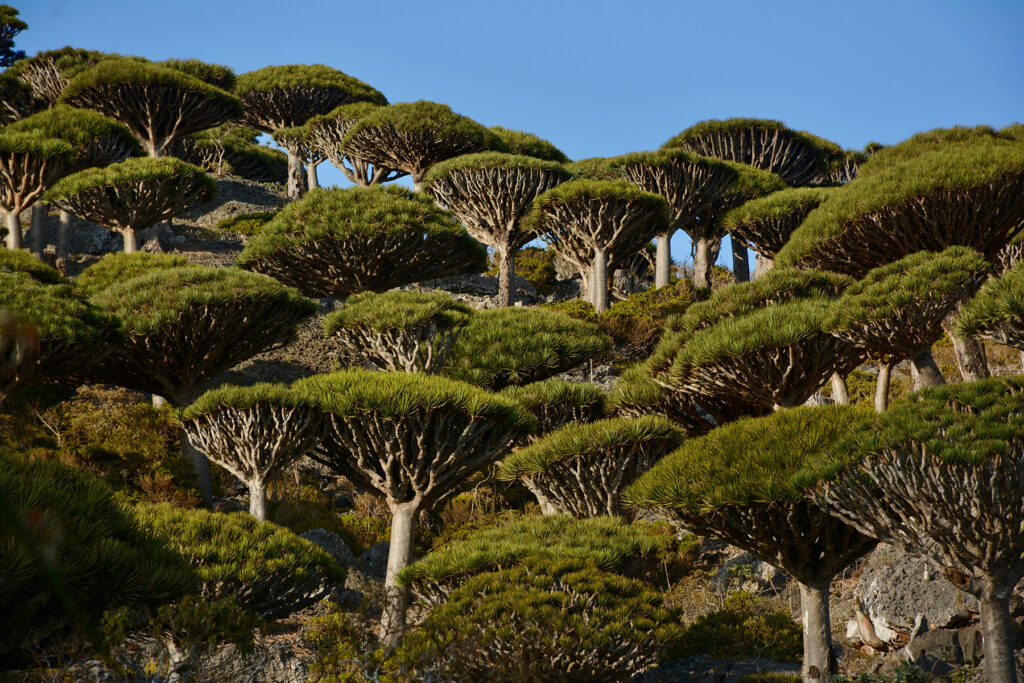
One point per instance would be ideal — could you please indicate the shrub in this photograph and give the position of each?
(746, 626)
(536, 266)
(247, 223)
(18, 261)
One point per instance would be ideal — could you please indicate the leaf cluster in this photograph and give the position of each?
(775, 206)
(78, 127)
(33, 144)
(930, 141)
(231, 396)
(57, 311)
(398, 310)
(596, 192)
(120, 267)
(999, 303)
(302, 76)
(219, 76)
(428, 117)
(19, 261)
(527, 144)
(557, 392)
(483, 160)
(138, 170)
(247, 224)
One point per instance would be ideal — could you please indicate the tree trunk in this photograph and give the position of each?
(258, 499)
(586, 291)
(600, 282)
(701, 264)
(818, 660)
(296, 179)
(740, 260)
(970, 356)
(840, 395)
(131, 241)
(12, 219)
(997, 633)
(663, 260)
(545, 504)
(1022, 361)
(882, 387)
(201, 467)
(926, 372)
(311, 176)
(403, 530)
(63, 240)
(763, 265)
(506, 272)
(39, 213)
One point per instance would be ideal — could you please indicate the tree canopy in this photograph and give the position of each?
(527, 144)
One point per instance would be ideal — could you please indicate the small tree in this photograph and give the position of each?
(556, 403)
(338, 242)
(528, 145)
(997, 312)
(133, 195)
(737, 483)
(504, 346)
(157, 104)
(253, 432)
(399, 331)
(326, 133)
(582, 468)
(412, 137)
(29, 163)
(941, 475)
(411, 438)
(297, 142)
(491, 193)
(232, 149)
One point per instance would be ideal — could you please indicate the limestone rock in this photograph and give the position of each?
(333, 544)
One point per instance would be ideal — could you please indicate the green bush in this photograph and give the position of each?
(18, 261)
(746, 626)
(536, 266)
(113, 269)
(636, 323)
(247, 223)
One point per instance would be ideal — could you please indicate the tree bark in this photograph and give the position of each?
(997, 633)
(818, 660)
(63, 240)
(663, 260)
(600, 282)
(12, 219)
(926, 372)
(201, 467)
(740, 260)
(311, 176)
(882, 387)
(39, 213)
(970, 356)
(131, 241)
(506, 271)
(296, 180)
(586, 290)
(762, 266)
(1022, 361)
(840, 394)
(403, 530)
(258, 499)
(701, 264)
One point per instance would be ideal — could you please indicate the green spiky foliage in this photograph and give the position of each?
(326, 133)
(338, 242)
(505, 346)
(184, 326)
(997, 312)
(157, 104)
(967, 194)
(739, 483)
(930, 141)
(70, 551)
(491, 193)
(97, 140)
(555, 402)
(114, 269)
(527, 144)
(254, 432)
(410, 438)
(231, 149)
(266, 567)
(797, 156)
(406, 331)
(545, 620)
(217, 75)
(17, 261)
(297, 141)
(413, 136)
(247, 224)
(940, 474)
(16, 99)
(65, 334)
(29, 163)
(766, 223)
(133, 195)
(48, 72)
(582, 468)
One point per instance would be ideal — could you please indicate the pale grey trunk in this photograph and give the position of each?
(586, 291)
(762, 266)
(131, 241)
(311, 176)
(818, 660)
(201, 467)
(663, 260)
(970, 356)
(926, 373)
(258, 499)
(840, 394)
(39, 212)
(296, 180)
(997, 633)
(701, 264)
(546, 506)
(882, 387)
(63, 240)
(600, 281)
(403, 530)
(1022, 361)
(13, 222)
(506, 272)
(740, 260)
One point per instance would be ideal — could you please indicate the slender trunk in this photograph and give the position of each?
(600, 281)
(131, 241)
(13, 221)
(258, 499)
(997, 633)
(970, 356)
(926, 372)
(586, 291)
(39, 212)
(701, 264)
(763, 265)
(840, 395)
(296, 181)
(663, 260)
(740, 260)
(882, 387)
(506, 271)
(63, 240)
(201, 467)
(818, 660)
(403, 529)
(545, 504)
(311, 176)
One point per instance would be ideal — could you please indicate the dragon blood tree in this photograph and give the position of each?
(133, 195)
(399, 330)
(529, 145)
(555, 403)
(157, 104)
(996, 313)
(339, 242)
(16, 99)
(738, 483)
(511, 346)
(411, 438)
(581, 469)
(325, 134)
(115, 268)
(29, 163)
(767, 222)
(47, 73)
(584, 220)
(297, 142)
(233, 149)
(491, 193)
(278, 97)
(254, 432)
(941, 475)
(897, 310)
(413, 136)
(185, 326)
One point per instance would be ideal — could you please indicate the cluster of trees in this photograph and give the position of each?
(869, 255)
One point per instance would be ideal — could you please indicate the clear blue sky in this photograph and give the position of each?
(603, 78)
